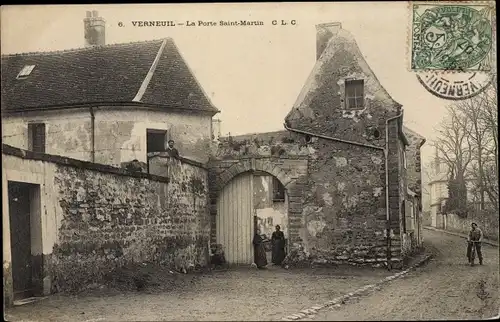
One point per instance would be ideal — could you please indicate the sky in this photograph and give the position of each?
(252, 74)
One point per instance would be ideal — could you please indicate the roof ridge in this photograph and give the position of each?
(81, 49)
(149, 75)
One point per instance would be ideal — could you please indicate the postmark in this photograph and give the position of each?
(454, 86)
(451, 36)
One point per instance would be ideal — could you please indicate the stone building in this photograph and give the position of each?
(108, 104)
(352, 195)
(71, 122)
(342, 179)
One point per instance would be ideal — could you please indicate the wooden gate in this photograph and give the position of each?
(235, 223)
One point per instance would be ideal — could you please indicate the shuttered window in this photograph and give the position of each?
(36, 134)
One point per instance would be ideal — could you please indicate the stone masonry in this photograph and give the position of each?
(337, 206)
(105, 218)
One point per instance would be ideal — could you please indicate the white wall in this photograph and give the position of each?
(120, 132)
(67, 132)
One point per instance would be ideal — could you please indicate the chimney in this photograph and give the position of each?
(325, 32)
(94, 27)
(216, 128)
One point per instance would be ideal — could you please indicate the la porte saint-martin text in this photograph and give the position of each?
(208, 23)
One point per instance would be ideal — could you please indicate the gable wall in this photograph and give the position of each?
(344, 212)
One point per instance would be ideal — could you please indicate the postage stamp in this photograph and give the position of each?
(451, 36)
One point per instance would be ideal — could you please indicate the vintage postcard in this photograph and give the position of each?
(250, 161)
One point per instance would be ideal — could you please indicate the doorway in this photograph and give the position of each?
(25, 239)
(249, 201)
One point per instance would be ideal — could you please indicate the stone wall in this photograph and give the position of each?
(96, 218)
(486, 220)
(337, 207)
(344, 217)
(272, 144)
(413, 161)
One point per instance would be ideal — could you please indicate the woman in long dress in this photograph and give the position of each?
(278, 243)
(260, 258)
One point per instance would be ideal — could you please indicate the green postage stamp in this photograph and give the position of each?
(452, 36)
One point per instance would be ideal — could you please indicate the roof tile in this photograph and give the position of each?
(103, 74)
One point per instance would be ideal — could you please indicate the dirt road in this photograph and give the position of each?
(446, 288)
(235, 295)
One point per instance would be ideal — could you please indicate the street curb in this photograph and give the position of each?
(338, 301)
(491, 243)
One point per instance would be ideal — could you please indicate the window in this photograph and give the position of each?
(36, 137)
(278, 190)
(156, 140)
(354, 93)
(25, 72)
(404, 159)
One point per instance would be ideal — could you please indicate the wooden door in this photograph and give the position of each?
(20, 235)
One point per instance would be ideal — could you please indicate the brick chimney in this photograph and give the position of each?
(324, 32)
(94, 27)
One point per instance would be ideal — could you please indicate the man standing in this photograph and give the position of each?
(474, 240)
(172, 152)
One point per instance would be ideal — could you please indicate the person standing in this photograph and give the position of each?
(474, 240)
(278, 243)
(172, 152)
(260, 257)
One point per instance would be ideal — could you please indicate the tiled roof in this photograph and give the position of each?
(410, 132)
(103, 74)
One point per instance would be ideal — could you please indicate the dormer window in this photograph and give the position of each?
(25, 72)
(354, 94)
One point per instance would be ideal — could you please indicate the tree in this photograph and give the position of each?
(482, 114)
(457, 198)
(489, 119)
(454, 150)
(468, 145)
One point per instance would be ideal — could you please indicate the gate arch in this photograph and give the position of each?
(252, 165)
(233, 210)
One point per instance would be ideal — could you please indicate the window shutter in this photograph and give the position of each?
(36, 137)
(30, 136)
(40, 138)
